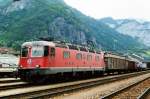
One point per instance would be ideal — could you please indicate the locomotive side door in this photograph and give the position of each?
(52, 56)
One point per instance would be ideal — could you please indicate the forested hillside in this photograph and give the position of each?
(28, 20)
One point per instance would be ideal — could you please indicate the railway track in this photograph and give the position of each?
(133, 91)
(9, 80)
(145, 94)
(45, 91)
(11, 83)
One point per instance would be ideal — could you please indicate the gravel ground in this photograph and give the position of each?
(135, 91)
(99, 91)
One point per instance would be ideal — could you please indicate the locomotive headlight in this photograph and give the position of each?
(20, 66)
(37, 66)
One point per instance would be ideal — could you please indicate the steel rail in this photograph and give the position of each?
(144, 94)
(9, 80)
(8, 86)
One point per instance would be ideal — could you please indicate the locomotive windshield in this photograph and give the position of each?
(24, 52)
(39, 51)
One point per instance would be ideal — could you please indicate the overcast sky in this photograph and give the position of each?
(139, 9)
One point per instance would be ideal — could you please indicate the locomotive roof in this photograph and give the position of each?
(114, 55)
(58, 44)
(38, 43)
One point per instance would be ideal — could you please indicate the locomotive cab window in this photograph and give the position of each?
(37, 51)
(52, 52)
(24, 52)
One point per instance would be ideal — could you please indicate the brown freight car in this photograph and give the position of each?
(116, 62)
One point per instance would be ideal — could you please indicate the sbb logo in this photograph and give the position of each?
(29, 61)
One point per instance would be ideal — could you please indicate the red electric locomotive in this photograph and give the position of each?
(42, 58)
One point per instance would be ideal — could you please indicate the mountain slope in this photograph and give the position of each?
(131, 27)
(28, 20)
